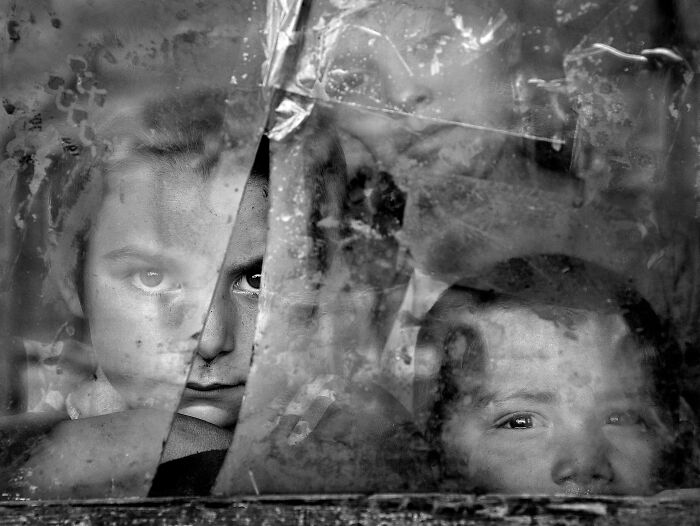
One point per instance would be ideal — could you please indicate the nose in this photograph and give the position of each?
(407, 88)
(216, 335)
(409, 94)
(582, 465)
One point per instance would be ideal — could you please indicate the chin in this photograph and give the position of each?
(212, 414)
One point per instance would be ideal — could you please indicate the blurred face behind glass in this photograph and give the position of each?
(436, 61)
(154, 256)
(563, 406)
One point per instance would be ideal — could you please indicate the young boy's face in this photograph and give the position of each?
(563, 406)
(434, 60)
(154, 256)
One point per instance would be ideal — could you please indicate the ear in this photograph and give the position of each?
(70, 295)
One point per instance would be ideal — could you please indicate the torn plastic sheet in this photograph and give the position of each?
(288, 115)
(361, 54)
(412, 206)
(381, 204)
(281, 35)
(330, 403)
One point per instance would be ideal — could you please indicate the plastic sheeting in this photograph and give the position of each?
(480, 254)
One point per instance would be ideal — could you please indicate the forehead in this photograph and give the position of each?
(556, 348)
(249, 235)
(170, 202)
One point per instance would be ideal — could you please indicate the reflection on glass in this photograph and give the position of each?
(565, 387)
(411, 148)
(415, 146)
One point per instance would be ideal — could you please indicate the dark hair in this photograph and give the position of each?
(538, 282)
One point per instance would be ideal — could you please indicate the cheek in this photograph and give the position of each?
(634, 458)
(142, 341)
(511, 463)
(117, 314)
(184, 318)
(245, 320)
(497, 460)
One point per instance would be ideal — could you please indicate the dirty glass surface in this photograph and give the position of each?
(349, 246)
(481, 252)
(129, 130)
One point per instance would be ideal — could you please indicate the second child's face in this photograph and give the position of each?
(428, 64)
(151, 272)
(563, 407)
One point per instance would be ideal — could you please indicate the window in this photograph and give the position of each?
(349, 247)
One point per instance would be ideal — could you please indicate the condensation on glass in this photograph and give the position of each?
(479, 234)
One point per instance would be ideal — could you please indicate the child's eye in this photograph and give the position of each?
(518, 421)
(625, 418)
(153, 281)
(248, 282)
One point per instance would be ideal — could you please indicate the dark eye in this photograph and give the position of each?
(248, 281)
(253, 279)
(517, 421)
(625, 418)
(520, 422)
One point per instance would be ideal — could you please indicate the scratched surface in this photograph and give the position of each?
(414, 147)
(361, 510)
(471, 135)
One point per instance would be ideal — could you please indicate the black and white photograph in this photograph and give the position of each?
(349, 261)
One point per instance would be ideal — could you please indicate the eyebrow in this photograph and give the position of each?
(620, 396)
(133, 252)
(245, 264)
(541, 397)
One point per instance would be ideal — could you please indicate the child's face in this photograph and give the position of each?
(564, 406)
(154, 256)
(428, 59)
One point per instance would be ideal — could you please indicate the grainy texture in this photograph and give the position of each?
(360, 510)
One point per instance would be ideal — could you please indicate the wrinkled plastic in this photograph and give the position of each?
(569, 140)
(422, 160)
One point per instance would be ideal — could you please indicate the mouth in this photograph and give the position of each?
(211, 390)
(209, 387)
(213, 402)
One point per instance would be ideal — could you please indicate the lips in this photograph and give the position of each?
(213, 402)
(199, 391)
(209, 387)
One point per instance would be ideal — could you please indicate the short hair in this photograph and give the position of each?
(535, 282)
